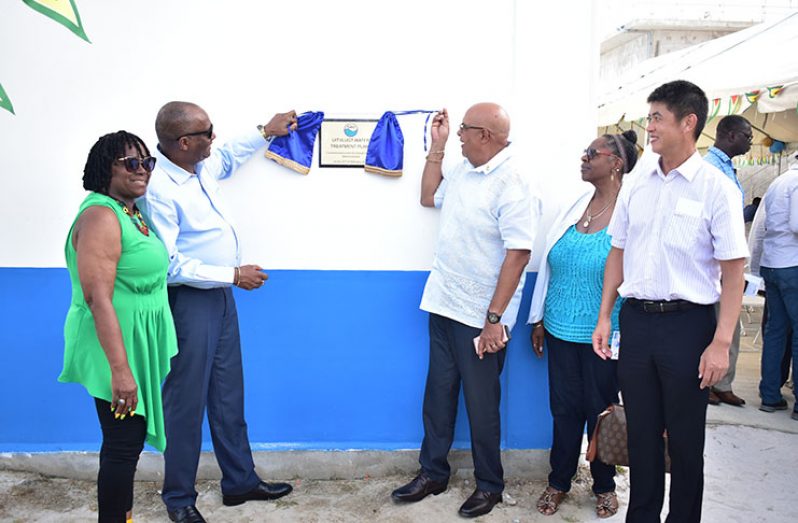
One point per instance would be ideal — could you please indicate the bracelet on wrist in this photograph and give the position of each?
(236, 276)
(538, 324)
(263, 133)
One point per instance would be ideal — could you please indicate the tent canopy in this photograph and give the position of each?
(753, 72)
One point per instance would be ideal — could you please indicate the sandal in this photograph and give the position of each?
(550, 500)
(606, 504)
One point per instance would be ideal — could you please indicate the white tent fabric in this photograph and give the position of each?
(736, 71)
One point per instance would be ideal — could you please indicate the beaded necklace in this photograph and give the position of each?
(135, 217)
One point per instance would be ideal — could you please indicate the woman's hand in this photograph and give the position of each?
(537, 337)
(124, 391)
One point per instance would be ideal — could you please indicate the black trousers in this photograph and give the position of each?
(452, 360)
(658, 375)
(581, 386)
(123, 441)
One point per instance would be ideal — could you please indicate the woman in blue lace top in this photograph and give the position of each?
(564, 311)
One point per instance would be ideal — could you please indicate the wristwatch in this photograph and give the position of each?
(266, 137)
(494, 318)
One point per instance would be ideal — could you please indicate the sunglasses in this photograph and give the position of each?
(207, 134)
(132, 163)
(592, 152)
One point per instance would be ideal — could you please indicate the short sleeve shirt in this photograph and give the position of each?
(485, 211)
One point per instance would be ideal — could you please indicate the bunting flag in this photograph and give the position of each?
(5, 102)
(714, 110)
(735, 104)
(775, 91)
(753, 96)
(65, 12)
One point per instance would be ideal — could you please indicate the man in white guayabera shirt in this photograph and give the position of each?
(488, 223)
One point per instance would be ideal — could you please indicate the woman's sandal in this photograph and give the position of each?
(549, 501)
(606, 504)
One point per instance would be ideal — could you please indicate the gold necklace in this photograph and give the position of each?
(591, 217)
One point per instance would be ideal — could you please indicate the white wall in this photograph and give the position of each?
(245, 60)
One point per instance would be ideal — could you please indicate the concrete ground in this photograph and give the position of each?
(751, 469)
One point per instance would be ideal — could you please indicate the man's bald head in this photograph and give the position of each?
(491, 116)
(484, 132)
(176, 119)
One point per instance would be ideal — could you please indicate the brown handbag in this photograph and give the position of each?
(609, 444)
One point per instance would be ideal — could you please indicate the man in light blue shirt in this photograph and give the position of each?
(487, 228)
(185, 208)
(732, 138)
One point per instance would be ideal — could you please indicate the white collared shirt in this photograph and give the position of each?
(485, 211)
(674, 229)
(780, 243)
(190, 217)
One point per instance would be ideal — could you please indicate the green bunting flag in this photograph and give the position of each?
(5, 103)
(65, 12)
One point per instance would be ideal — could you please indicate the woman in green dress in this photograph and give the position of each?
(119, 335)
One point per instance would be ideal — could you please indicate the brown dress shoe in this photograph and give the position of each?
(727, 396)
(713, 398)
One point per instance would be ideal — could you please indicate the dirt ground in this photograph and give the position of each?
(750, 477)
(751, 471)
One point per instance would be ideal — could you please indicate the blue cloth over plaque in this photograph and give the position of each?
(385, 154)
(295, 150)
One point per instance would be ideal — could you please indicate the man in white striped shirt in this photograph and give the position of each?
(678, 247)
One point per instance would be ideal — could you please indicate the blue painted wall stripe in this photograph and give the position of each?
(332, 360)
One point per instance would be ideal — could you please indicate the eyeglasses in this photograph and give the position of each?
(207, 134)
(592, 152)
(465, 127)
(132, 163)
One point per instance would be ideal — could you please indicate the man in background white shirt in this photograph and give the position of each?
(779, 268)
(678, 247)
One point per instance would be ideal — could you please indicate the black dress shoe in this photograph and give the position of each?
(261, 492)
(480, 502)
(188, 514)
(418, 489)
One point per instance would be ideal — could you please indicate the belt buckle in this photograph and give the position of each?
(662, 306)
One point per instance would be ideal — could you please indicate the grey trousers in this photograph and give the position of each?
(725, 385)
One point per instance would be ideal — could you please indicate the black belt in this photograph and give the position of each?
(662, 305)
